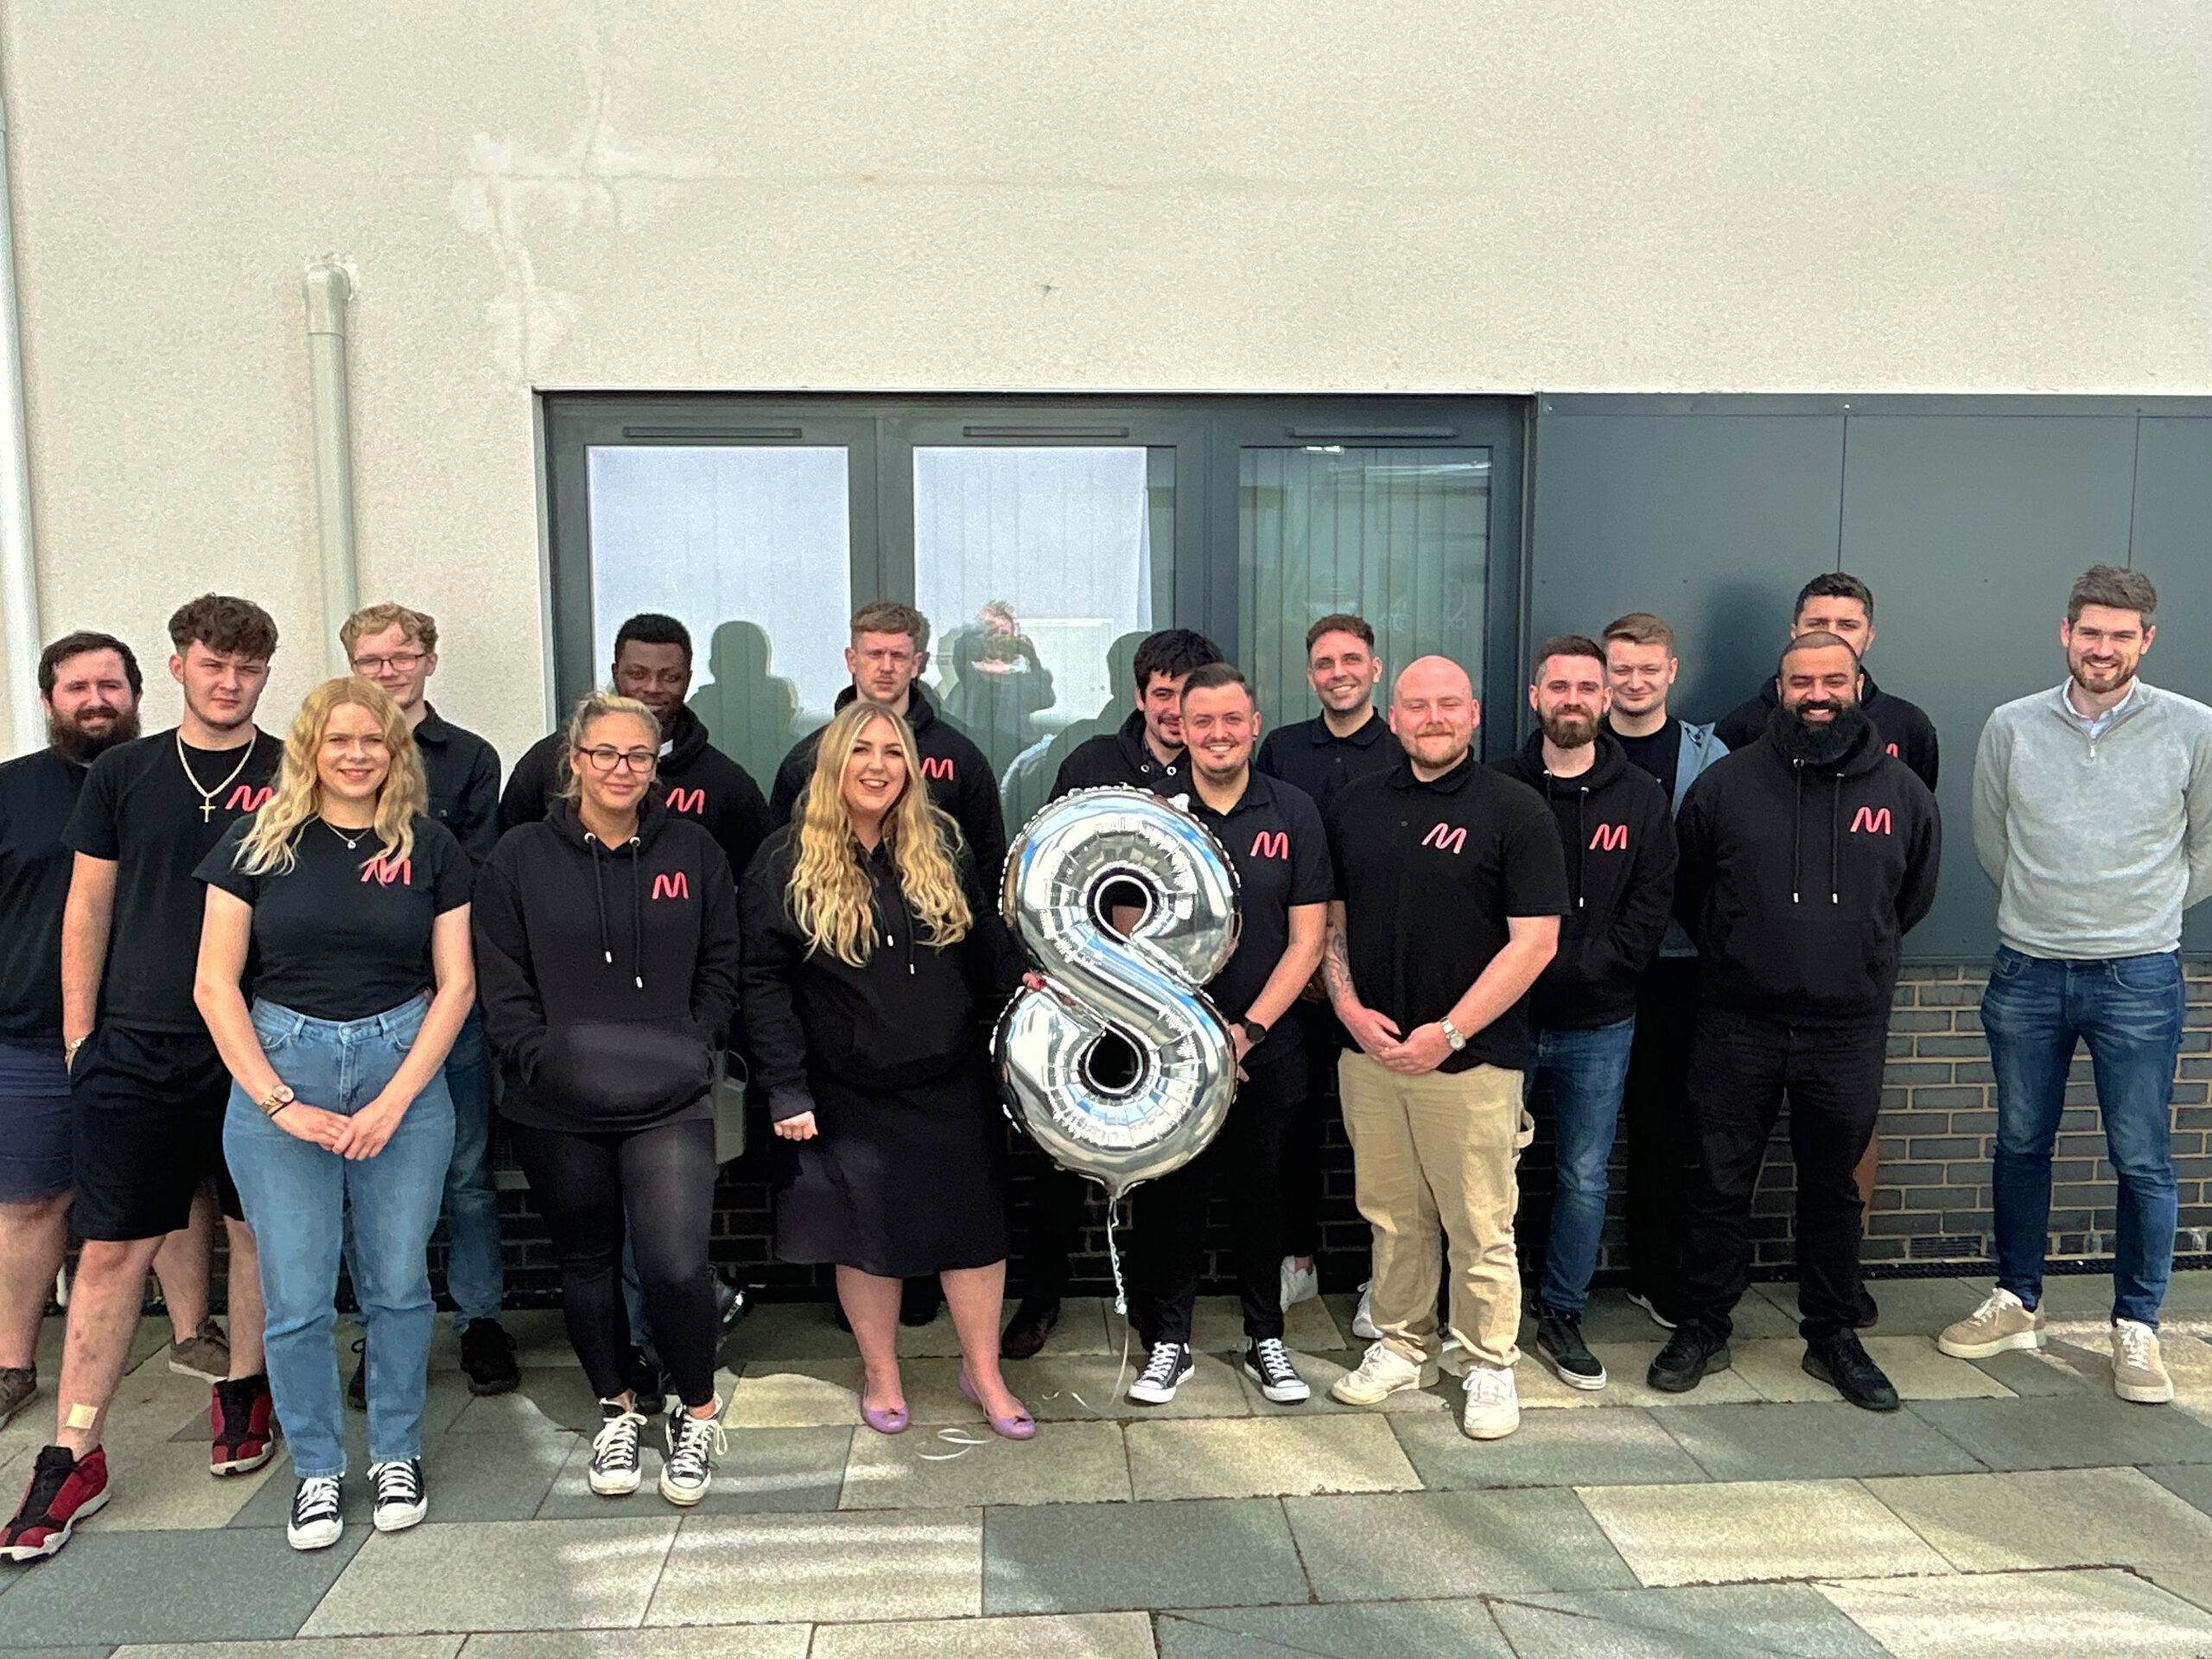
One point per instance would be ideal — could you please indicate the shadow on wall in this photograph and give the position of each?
(1748, 620)
(1025, 785)
(748, 711)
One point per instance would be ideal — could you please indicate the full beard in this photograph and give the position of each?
(83, 746)
(1569, 731)
(1820, 745)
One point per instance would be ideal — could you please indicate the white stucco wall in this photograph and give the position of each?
(1463, 194)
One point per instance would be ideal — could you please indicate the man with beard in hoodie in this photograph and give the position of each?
(1615, 829)
(1805, 860)
(652, 663)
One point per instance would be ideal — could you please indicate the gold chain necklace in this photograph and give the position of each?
(207, 795)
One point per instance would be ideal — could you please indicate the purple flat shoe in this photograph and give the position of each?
(1017, 1426)
(889, 1420)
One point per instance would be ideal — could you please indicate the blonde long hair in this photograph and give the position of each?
(830, 895)
(267, 847)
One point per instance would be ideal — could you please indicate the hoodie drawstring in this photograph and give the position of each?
(1836, 835)
(637, 917)
(1796, 827)
(599, 892)
(1835, 838)
(1581, 842)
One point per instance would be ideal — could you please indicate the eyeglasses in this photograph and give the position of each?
(604, 761)
(404, 661)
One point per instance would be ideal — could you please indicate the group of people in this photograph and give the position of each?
(290, 979)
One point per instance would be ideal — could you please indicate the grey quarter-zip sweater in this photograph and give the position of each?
(2096, 845)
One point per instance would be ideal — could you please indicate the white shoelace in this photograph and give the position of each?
(1166, 1360)
(1994, 1303)
(695, 1437)
(316, 1500)
(2136, 1342)
(1491, 1385)
(1275, 1364)
(615, 1446)
(396, 1484)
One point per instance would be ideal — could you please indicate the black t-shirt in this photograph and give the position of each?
(1428, 874)
(1308, 754)
(140, 812)
(37, 795)
(344, 934)
(1660, 754)
(1274, 838)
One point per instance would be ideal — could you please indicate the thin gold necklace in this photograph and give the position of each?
(207, 795)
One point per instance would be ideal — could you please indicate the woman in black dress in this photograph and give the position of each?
(873, 966)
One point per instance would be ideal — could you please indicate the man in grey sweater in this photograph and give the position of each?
(2093, 813)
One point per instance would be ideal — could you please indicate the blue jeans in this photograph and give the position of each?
(297, 1197)
(1577, 1076)
(475, 1278)
(2129, 1011)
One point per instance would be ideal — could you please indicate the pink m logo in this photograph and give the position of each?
(671, 887)
(246, 798)
(937, 767)
(687, 800)
(1445, 838)
(386, 871)
(1271, 843)
(1610, 838)
(1872, 820)
(1892, 750)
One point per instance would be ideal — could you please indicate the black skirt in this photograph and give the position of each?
(899, 1183)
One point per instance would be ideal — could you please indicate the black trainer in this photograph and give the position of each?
(1691, 1355)
(1268, 1364)
(1169, 1368)
(1032, 1322)
(357, 1391)
(1842, 1363)
(488, 1357)
(1560, 1346)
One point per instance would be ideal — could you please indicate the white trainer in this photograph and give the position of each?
(2138, 1374)
(2002, 1323)
(1383, 1373)
(1493, 1409)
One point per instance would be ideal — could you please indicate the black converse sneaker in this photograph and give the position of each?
(400, 1502)
(693, 1444)
(1171, 1362)
(614, 1466)
(1267, 1364)
(315, 1523)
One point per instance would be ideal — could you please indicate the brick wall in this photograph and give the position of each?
(1939, 1115)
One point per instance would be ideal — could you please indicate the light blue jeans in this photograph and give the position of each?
(1575, 1076)
(297, 1198)
(475, 1278)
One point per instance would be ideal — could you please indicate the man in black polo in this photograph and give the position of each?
(1450, 887)
(398, 649)
(652, 663)
(1273, 836)
(88, 684)
(1146, 753)
(1347, 739)
(1805, 860)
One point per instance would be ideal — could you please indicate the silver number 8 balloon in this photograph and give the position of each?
(1116, 1130)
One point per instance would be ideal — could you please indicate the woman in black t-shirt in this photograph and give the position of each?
(356, 906)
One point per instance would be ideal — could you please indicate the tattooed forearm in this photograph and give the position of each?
(1335, 969)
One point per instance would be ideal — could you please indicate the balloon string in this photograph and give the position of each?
(1114, 1261)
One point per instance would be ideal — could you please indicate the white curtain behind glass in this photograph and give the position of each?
(749, 549)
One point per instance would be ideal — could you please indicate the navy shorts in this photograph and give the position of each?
(146, 1111)
(34, 1121)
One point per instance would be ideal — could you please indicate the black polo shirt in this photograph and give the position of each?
(1310, 755)
(462, 770)
(1428, 874)
(1274, 838)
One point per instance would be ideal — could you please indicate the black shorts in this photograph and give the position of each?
(146, 1128)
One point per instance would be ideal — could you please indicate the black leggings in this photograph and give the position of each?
(664, 1179)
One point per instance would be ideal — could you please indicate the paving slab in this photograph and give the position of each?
(101, 1652)
(1626, 1363)
(1916, 1368)
(1064, 1387)
(2191, 1582)
(1371, 1548)
(170, 1586)
(2191, 1482)
(2057, 1517)
(2040, 1371)
(811, 1393)
(1550, 1448)
(1217, 1327)
(549, 1396)
(1044, 1635)
(1813, 1442)
(1067, 1463)
(1736, 1531)
(2070, 1430)
(1252, 1458)
(788, 1331)
(2066, 1615)
(1334, 1630)
(1723, 1621)
(1084, 1558)
(339, 1647)
(763, 1470)
(715, 1641)
(2087, 1357)
(1908, 1307)
(497, 1575)
(775, 1569)
(1321, 1370)
(164, 1484)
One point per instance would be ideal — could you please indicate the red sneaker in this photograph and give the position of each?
(244, 1436)
(63, 1491)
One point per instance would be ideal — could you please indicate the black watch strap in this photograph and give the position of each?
(1254, 1033)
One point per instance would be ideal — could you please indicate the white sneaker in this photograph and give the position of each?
(1493, 1408)
(1363, 1318)
(315, 1522)
(1170, 1366)
(1383, 1373)
(615, 1469)
(1298, 1284)
(2002, 1323)
(2137, 1372)
(398, 1486)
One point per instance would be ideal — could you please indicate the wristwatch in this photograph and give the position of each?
(277, 1100)
(1452, 1035)
(1254, 1033)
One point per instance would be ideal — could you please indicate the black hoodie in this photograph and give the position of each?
(696, 780)
(1799, 882)
(608, 975)
(959, 777)
(1907, 732)
(1123, 757)
(1617, 830)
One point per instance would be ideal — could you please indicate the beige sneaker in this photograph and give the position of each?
(205, 1354)
(2002, 1323)
(1493, 1408)
(1381, 1373)
(2137, 1373)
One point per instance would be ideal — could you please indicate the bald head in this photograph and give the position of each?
(1433, 713)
